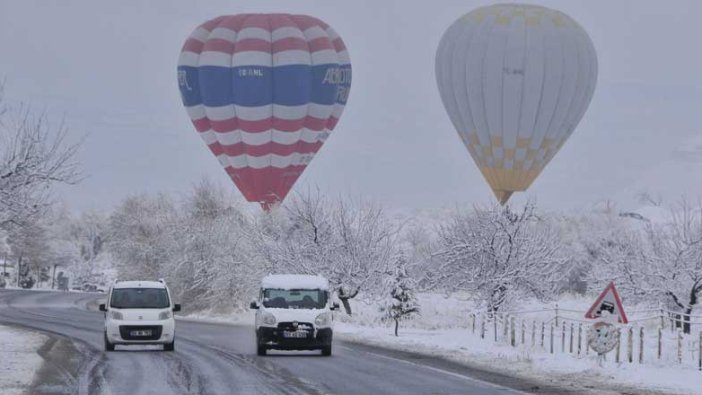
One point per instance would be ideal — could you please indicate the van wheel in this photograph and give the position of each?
(108, 346)
(169, 346)
(327, 350)
(261, 349)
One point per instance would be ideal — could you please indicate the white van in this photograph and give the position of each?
(139, 312)
(294, 312)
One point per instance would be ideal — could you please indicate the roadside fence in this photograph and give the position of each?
(652, 336)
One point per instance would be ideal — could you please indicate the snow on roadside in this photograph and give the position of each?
(443, 331)
(460, 346)
(19, 361)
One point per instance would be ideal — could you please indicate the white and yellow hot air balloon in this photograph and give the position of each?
(515, 80)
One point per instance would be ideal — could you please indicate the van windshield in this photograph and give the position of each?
(139, 298)
(294, 298)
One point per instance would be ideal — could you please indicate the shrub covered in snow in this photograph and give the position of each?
(401, 303)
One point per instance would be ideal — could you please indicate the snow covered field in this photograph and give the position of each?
(445, 330)
(19, 360)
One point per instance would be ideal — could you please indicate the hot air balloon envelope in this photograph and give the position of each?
(515, 81)
(264, 92)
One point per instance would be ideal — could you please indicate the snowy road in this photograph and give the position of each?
(221, 359)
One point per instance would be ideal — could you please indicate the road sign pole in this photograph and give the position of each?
(619, 344)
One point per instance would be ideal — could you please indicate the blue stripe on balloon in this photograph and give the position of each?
(291, 85)
(253, 86)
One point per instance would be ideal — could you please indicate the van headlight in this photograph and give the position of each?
(268, 318)
(323, 319)
(165, 315)
(116, 315)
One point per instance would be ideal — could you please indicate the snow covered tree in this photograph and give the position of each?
(401, 303)
(141, 236)
(214, 264)
(202, 246)
(365, 244)
(33, 157)
(656, 262)
(499, 255)
(582, 237)
(351, 244)
(417, 241)
(29, 246)
(78, 247)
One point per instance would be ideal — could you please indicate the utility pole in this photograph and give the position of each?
(19, 269)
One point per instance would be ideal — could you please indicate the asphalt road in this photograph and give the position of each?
(221, 359)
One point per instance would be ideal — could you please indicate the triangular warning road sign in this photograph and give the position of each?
(608, 300)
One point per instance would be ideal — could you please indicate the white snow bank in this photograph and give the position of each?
(444, 330)
(294, 281)
(562, 369)
(19, 361)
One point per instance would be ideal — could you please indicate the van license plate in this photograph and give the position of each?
(294, 335)
(140, 333)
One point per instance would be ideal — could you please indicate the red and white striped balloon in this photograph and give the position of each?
(264, 91)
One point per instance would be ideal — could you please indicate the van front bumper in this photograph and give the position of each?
(274, 338)
(120, 332)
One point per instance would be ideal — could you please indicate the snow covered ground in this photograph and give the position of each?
(458, 345)
(445, 330)
(19, 359)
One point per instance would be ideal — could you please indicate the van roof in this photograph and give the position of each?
(139, 284)
(294, 281)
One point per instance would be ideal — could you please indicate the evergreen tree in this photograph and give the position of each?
(402, 303)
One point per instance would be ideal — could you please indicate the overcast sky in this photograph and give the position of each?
(109, 69)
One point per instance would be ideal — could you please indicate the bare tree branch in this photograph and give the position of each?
(33, 158)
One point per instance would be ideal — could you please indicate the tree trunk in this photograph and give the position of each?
(687, 326)
(686, 320)
(497, 298)
(347, 305)
(397, 324)
(345, 298)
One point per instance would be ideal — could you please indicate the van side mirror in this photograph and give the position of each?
(176, 307)
(253, 305)
(334, 306)
(102, 307)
